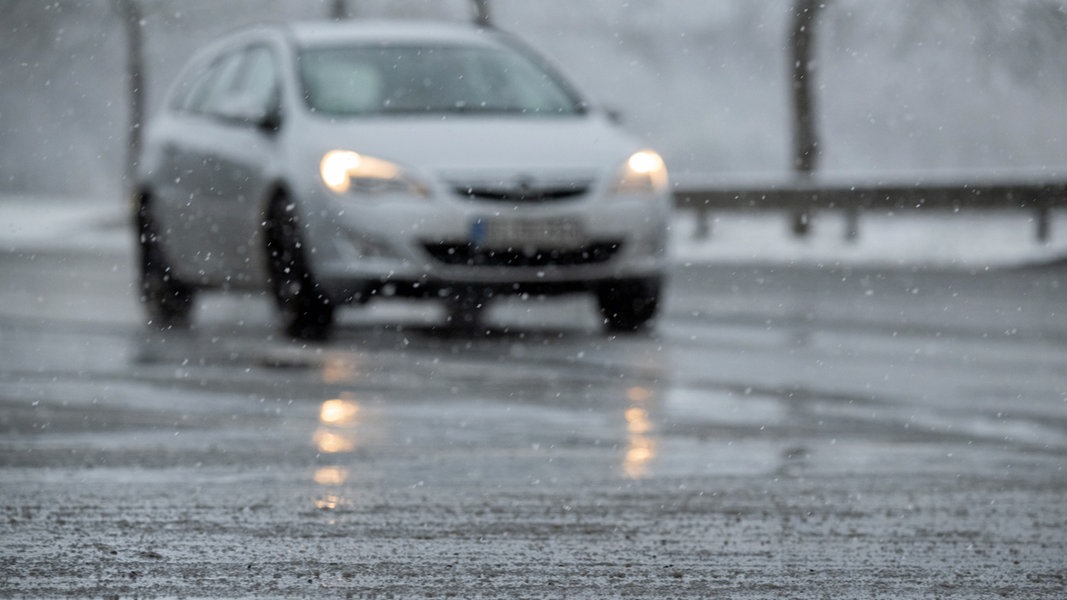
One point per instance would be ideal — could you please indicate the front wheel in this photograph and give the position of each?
(168, 301)
(306, 311)
(628, 305)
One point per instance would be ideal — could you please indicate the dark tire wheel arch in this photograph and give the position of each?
(305, 309)
(628, 305)
(168, 301)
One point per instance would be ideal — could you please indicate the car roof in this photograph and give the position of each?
(327, 33)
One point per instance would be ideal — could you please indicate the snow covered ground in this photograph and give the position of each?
(965, 240)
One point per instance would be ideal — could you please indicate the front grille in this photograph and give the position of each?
(473, 256)
(522, 192)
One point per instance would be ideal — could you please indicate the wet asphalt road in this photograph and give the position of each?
(782, 433)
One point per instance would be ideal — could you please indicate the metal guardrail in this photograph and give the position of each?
(802, 198)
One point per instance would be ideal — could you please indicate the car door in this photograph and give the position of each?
(219, 156)
(186, 189)
(241, 158)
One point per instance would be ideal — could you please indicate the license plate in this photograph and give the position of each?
(503, 233)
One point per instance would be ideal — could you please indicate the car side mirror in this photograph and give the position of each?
(265, 118)
(270, 120)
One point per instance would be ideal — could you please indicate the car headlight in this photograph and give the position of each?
(644, 171)
(345, 171)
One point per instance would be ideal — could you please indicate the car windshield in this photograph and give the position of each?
(375, 80)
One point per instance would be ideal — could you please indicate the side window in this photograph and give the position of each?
(194, 87)
(236, 85)
(184, 90)
(204, 90)
(219, 85)
(257, 87)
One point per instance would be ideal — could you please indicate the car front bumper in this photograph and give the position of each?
(435, 247)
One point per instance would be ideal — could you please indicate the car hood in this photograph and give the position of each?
(472, 147)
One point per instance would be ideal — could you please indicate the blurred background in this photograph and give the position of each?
(901, 86)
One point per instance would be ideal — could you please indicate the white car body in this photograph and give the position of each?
(470, 205)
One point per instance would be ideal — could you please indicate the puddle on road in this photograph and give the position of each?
(690, 405)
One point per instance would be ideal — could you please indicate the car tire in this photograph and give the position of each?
(168, 301)
(628, 305)
(306, 311)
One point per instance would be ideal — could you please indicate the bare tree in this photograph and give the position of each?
(805, 134)
(481, 13)
(132, 21)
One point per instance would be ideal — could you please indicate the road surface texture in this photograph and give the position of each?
(783, 432)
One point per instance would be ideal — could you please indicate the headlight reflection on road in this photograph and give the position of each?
(336, 434)
(331, 475)
(338, 419)
(339, 412)
(641, 448)
(340, 369)
(330, 478)
(330, 442)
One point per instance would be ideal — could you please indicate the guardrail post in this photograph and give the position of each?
(852, 224)
(801, 223)
(703, 225)
(1044, 223)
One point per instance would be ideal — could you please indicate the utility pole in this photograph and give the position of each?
(130, 13)
(339, 10)
(481, 13)
(805, 135)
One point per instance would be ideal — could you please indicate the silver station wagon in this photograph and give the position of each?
(337, 163)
